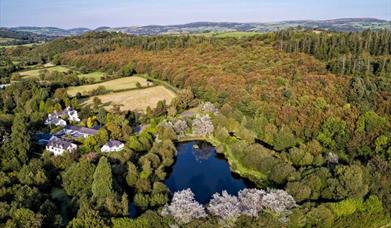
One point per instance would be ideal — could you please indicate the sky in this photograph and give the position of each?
(116, 13)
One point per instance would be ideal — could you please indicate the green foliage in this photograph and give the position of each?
(334, 134)
(347, 207)
(320, 216)
(128, 70)
(146, 220)
(103, 180)
(25, 218)
(33, 173)
(141, 200)
(370, 122)
(132, 176)
(78, 178)
(20, 138)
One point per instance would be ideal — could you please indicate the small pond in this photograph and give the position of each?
(205, 172)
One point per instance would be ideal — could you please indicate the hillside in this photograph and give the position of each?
(342, 25)
(13, 37)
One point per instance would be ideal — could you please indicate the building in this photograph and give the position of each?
(58, 146)
(72, 114)
(113, 146)
(76, 132)
(55, 120)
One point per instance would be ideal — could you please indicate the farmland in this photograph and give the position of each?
(35, 73)
(113, 85)
(136, 99)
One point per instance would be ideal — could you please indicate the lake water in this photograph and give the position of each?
(205, 172)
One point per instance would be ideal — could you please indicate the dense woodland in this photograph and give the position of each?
(303, 111)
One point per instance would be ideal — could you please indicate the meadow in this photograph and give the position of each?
(35, 73)
(112, 85)
(96, 76)
(136, 100)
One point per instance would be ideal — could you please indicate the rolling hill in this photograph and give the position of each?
(341, 25)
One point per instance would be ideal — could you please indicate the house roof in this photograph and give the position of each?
(59, 143)
(65, 111)
(83, 130)
(114, 143)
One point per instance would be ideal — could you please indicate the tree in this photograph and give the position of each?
(103, 180)
(20, 137)
(132, 176)
(87, 217)
(125, 204)
(278, 201)
(224, 206)
(77, 180)
(141, 201)
(184, 208)
(251, 201)
(33, 173)
(128, 70)
(202, 125)
(24, 217)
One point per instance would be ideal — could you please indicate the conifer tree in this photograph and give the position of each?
(20, 137)
(103, 180)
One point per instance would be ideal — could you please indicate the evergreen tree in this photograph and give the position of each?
(20, 138)
(103, 180)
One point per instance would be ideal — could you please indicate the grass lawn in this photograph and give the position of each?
(35, 73)
(97, 76)
(113, 85)
(136, 100)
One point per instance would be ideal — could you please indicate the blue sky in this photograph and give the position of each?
(95, 13)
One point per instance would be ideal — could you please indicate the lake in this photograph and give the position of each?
(204, 171)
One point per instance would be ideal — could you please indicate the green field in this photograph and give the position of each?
(35, 73)
(113, 85)
(136, 100)
(97, 76)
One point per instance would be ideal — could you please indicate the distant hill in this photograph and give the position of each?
(341, 25)
(12, 37)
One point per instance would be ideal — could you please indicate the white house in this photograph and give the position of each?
(113, 146)
(58, 146)
(72, 114)
(55, 120)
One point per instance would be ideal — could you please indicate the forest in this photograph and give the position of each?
(302, 111)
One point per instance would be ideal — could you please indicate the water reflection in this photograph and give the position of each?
(202, 151)
(199, 168)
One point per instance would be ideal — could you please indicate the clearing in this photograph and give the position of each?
(35, 73)
(113, 85)
(136, 100)
(96, 76)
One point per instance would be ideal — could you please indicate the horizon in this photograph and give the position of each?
(124, 13)
(255, 22)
